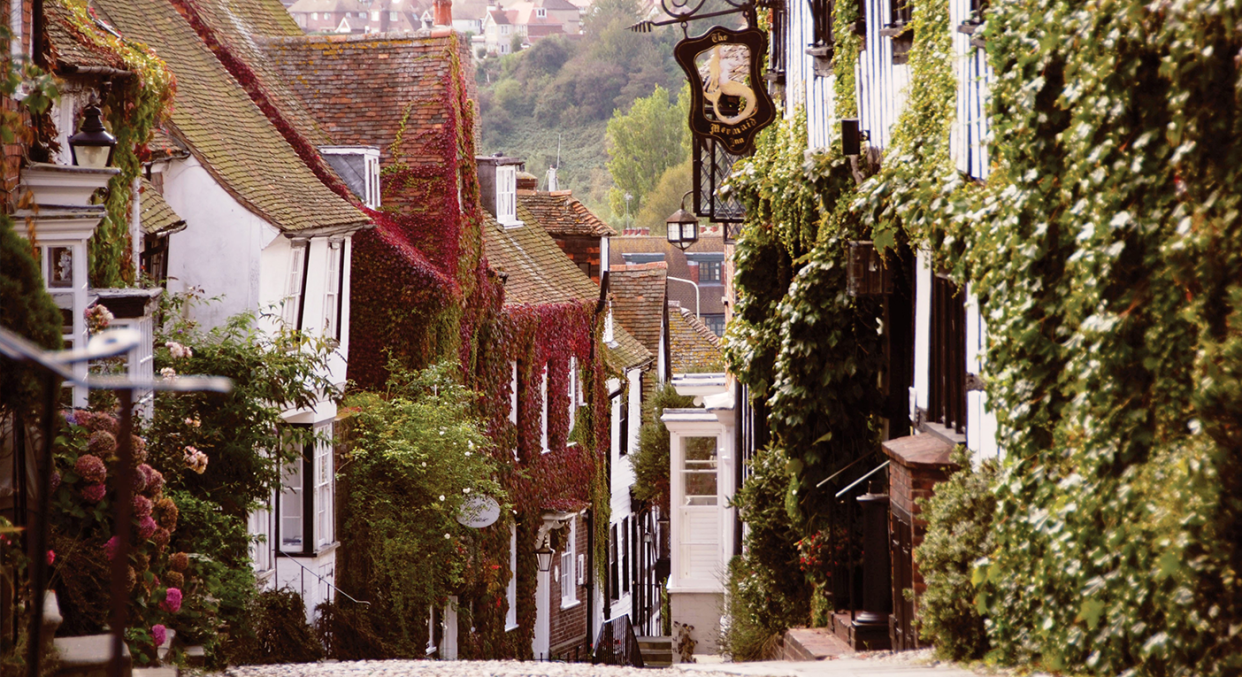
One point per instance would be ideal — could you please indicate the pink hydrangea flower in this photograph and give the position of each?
(160, 634)
(154, 479)
(110, 548)
(93, 493)
(55, 480)
(172, 601)
(91, 468)
(147, 527)
(142, 506)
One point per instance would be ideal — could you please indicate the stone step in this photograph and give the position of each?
(88, 656)
(657, 651)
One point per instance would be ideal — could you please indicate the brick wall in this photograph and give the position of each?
(919, 463)
(581, 250)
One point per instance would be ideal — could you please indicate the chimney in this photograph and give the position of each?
(444, 12)
(552, 179)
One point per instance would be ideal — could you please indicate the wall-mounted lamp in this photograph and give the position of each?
(92, 146)
(543, 556)
(852, 137)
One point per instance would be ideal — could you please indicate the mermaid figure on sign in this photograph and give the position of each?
(718, 84)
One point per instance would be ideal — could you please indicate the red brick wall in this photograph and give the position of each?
(581, 250)
(908, 484)
(569, 626)
(13, 152)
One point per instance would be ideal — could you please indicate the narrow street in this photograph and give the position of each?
(886, 665)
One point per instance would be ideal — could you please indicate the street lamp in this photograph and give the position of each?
(683, 227)
(92, 146)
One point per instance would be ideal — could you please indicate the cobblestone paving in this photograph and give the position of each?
(450, 669)
(914, 664)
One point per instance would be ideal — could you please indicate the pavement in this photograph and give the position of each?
(890, 665)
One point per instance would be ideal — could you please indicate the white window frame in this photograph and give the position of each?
(541, 13)
(543, 416)
(506, 194)
(295, 284)
(332, 291)
(324, 491)
(292, 507)
(511, 622)
(568, 577)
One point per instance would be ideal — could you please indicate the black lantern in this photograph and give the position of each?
(543, 556)
(683, 227)
(92, 146)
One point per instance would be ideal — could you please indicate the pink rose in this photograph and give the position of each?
(172, 601)
(51, 557)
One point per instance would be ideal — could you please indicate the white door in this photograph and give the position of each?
(700, 511)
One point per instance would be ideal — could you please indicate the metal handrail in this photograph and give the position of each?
(860, 479)
(287, 556)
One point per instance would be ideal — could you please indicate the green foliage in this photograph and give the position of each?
(415, 455)
(348, 632)
(959, 532)
(279, 632)
(665, 198)
(651, 459)
(241, 432)
(644, 142)
(28, 310)
(767, 592)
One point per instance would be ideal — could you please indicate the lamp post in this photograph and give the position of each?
(683, 227)
(92, 146)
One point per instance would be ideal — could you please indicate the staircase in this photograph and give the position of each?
(657, 651)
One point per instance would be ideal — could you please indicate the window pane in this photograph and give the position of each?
(291, 508)
(699, 470)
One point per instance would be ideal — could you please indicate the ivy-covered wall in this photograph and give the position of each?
(1105, 252)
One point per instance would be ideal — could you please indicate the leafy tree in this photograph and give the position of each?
(644, 142)
(241, 432)
(651, 481)
(414, 457)
(666, 197)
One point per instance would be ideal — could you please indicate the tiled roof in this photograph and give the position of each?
(156, 215)
(363, 90)
(710, 294)
(539, 273)
(500, 16)
(164, 145)
(638, 300)
(693, 348)
(68, 50)
(224, 129)
(240, 25)
(560, 213)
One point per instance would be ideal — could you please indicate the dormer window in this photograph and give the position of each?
(541, 13)
(506, 194)
(359, 168)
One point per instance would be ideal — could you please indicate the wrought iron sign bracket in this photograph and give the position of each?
(681, 12)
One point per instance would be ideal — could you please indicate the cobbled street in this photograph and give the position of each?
(911, 664)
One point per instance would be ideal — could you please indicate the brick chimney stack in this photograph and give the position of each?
(444, 12)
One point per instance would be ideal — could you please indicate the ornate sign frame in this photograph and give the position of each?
(711, 102)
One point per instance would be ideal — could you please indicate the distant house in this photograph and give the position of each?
(696, 276)
(532, 19)
(361, 16)
(693, 348)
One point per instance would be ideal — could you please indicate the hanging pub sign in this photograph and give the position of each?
(728, 101)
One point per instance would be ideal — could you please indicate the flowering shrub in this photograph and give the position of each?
(83, 539)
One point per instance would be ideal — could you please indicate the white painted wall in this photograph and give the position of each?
(219, 250)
